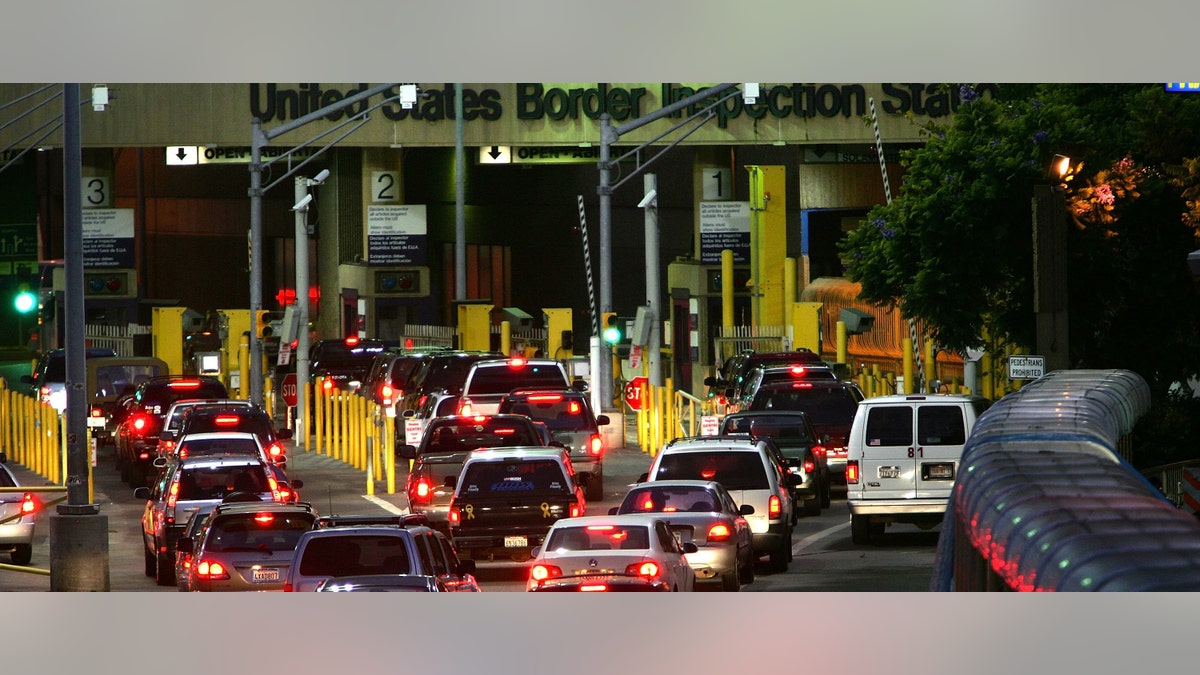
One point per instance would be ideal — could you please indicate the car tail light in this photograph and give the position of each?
(464, 407)
(646, 569)
(595, 445)
(573, 407)
(852, 472)
(173, 495)
(140, 423)
(351, 341)
(211, 570)
(454, 516)
(798, 371)
(774, 507)
(327, 384)
(275, 452)
(285, 495)
(29, 504)
(226, 420)
(819, 451)
(385, 393)
(276, 495)
(44, 394)
(576, 511)
(719, 532)
(97, 412)
(287, 588)
(544, 398)
(516, 362)
(593, 588)
(185, 384)
(264, 518)
(422, 489)
(809, 465)
(544, 572)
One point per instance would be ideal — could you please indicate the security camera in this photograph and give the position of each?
(750, 92)
(302, 205)
(648, 199)
(408, 95)
(99, 97)
(320, 177)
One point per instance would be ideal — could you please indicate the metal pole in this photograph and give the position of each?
(605, 375)
(302, 338)
(257, 141)
(77, 450)
(653, 288)
(460, 218)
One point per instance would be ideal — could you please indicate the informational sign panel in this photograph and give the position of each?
(709, 425)
(108, 238)
(1026, 367)
(19, 241)
(396, 235)
(724, 225)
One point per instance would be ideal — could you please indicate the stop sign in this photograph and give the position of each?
(288, 389)
(633, 392)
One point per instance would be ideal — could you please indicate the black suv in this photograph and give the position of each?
(138, 433)
(830, 404)
(343, 363)
(390, 373)
(568, 416)
(246, 418)
(446, 371)
(732, 375)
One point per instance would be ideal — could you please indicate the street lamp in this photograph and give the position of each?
(1050, 266)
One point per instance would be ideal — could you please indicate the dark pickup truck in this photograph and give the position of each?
(506, 499)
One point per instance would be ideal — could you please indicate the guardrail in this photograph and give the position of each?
(1046, 500)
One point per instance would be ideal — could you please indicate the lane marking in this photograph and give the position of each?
(386, 506)
(816, 536)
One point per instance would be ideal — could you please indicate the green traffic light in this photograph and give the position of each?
(612, 335)
(25, 302)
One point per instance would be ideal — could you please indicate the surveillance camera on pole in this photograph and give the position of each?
(320, 177)
(302, 205)
(408, 95)
(651, 199)
(99, 97)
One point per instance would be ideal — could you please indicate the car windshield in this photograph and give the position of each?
(265, 531)
(599, 538)
(735, 470)
(355, 554)
(685, 498)
(824, 405)
(541, 477)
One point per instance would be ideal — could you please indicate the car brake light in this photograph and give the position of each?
(275, 451)
(593, 588)
(646, 569)
(285, 495)
(819, 450)
(226, 420)
(351, 341)
(143, 456)
(575, 511)
(797, 370)
(719, 532)
(385, 392)
(595, 445)
(422, 489)
(774, 507)
(327, 384)
(852, 472)
(809, 465)
(173, 495)
(140, 423)
(543, 572)
(802, 385)
(211, 570)
(600, 528)
(97, 412)
(264, 518)
(185, 384)
(287, 588)
(573, 407)
(454, 516)
(464, 407)
(29, 503)
(707, 474)
(516, 362)
(544, 398)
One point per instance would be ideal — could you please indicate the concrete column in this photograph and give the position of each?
(78, 552)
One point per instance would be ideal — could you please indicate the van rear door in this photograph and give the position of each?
(888, 461)
(941, 434)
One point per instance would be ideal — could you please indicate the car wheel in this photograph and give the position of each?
(151, 566)
(165, 574)
(860, 530)
(779, 557)
(595, 488)
(812, 507)
(731, 581)
(746, 571)
(22, 554)
(825, 500)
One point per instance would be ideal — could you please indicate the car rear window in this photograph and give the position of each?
(206, 447)
(215, 482)
(436, 472)
(265, 531)
(112, 380)
(197, 423)
(940, 425)
(514, 478)
(158, 398)
(677, 498)
(736, 470)
(599, 538)
(466, 434)
(351, 555)
(501, 378)
(889, 425)
(824, 405)
(449, 373)
(339, 355)
(559, 412)
(784, 430)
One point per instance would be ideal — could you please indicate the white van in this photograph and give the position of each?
(903, 458)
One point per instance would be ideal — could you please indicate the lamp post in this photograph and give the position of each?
(303, 200)
(1050, 267)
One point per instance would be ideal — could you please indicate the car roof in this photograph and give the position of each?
(220, 460)
(516, 452)
(206, 435)
(619, 519)
(237, 507)
(908, 398)
(733, 442)
(679, 482)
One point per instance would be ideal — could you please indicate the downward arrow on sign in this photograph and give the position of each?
(181, 154)
(495, 151)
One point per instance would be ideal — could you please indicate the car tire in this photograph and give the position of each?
(150, 562)
(165, 573)
(860, 532)
(746, 571)
(595, 488)
(779, 557)
(731, 582)
(22, 554)
(825, 499)
(812, 507)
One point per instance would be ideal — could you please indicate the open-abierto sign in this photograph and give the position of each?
(1026, 367)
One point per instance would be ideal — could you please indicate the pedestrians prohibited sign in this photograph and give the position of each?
(288, 389)
(633, 393)
(1026, 367)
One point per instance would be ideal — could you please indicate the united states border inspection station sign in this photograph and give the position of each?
(1026, 367)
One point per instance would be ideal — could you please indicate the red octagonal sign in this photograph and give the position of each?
(288, 389)
(633, 392)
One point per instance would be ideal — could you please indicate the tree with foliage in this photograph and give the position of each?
(954, 248)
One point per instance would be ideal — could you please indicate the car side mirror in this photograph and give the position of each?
(184, 545)
(556, 444)
(406, 451)
(794, 479)
(602, 420)
(746, 509)
(141, 493)
(297, 483)
(825, 439)
(579, 385)
(614, 510)
(408, 413)
(283, 434)
(450, 482)
(642, 478)
(690, 547)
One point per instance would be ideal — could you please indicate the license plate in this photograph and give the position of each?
(939, 471)
(889, 472)
(270, 574)
(95, 422)
(516, 542)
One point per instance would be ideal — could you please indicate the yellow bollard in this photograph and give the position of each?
(370, 469)
(389, 431)
(305, 417)
(669, 406)
(930, 364)
(906, 345)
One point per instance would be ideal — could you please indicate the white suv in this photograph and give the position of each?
(491, 380)
(903, 458)
(747, 470)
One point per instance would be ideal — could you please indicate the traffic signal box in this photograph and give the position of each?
(262, 324)
(559, 336)
(166, 332)
(610, 328)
